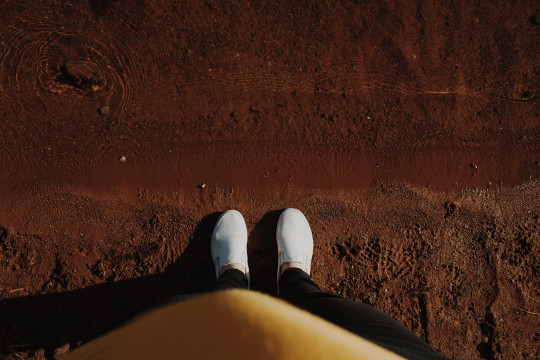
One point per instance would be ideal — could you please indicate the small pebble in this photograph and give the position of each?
(122, 158)
(59, 352)
(104, 110)
(82, 72)
(202, 186)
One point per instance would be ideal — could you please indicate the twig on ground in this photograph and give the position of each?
(533, 299)
(529, 312)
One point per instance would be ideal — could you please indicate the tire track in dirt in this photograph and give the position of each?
(358, 80)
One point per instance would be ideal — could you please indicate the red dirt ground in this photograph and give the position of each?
(407, 132)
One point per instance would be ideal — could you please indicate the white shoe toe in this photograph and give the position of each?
(294, 239)
(229, 241)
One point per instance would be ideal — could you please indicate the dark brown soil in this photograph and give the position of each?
(407, 132)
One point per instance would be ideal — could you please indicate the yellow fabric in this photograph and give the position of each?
(233, 324)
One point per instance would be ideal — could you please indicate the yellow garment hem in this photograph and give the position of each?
(233, 324)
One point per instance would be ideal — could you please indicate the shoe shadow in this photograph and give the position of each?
(262, 251)
(52, 320)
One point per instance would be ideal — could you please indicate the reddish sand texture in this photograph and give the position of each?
(408, 132)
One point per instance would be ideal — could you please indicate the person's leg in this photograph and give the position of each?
(228, 246)
(297, 287)
(295, 284)
(295, 246)
(231, 279)
(229, 251)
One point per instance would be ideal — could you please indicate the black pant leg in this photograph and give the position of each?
(296, 284)
(371, 324)
(231, 279)
(297, 287)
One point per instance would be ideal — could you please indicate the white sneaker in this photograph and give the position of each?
(229, 241)
(294, 240)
